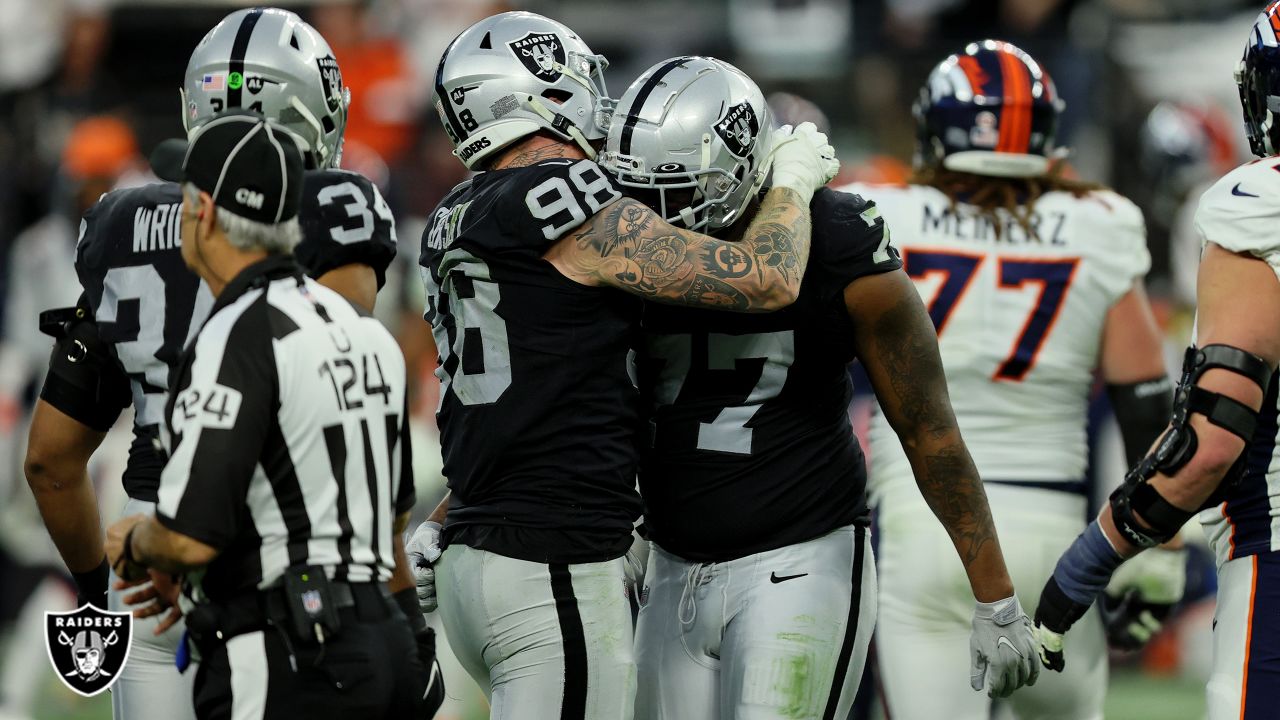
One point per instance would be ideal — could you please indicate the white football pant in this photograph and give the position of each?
(551, 642)
(150, 685)
(1245, 683)
(778, 634)
(926, 608)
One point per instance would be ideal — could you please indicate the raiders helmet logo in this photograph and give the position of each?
(541, 54)
(88, 647)
(739, 129)
(332, 81)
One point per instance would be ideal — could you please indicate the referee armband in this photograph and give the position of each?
(84, 381)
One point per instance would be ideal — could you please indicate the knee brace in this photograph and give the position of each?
(84, 381)
(1179, 443)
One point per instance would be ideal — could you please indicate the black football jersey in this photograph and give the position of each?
(750, 447)
(538, 416)
(147, 304)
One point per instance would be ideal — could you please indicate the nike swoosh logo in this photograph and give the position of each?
(775, 578)
(1005, 641)
(1240, 193)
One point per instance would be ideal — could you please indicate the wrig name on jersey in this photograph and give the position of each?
(445, 224)
(1046, 228)
(157, 228)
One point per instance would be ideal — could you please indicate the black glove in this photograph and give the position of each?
(91, 586)
(1131, 621)
(1055, 614)
(425, 638)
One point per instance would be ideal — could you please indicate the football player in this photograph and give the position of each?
(760, 598)
(534, 271)
(1219, 455)
(1033, 283)
(141, 305)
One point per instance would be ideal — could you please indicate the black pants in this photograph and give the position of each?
(371, 670)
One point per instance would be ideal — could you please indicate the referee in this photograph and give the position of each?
(289, 471)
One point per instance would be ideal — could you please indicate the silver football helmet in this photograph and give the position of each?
(698, 132)
(514, 74)
(270, 61)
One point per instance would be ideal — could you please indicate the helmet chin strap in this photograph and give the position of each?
(561, 124)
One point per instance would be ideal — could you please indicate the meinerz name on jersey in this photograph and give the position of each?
(157, 228)
(968, 224)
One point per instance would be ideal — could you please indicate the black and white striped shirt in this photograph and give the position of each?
(287, 433)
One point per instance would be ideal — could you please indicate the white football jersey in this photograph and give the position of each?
(1241, 213)
(1019, 321)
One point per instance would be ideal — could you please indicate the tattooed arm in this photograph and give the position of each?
(899, 349)
(628, 246)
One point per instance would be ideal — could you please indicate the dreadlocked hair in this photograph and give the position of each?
(990, 194)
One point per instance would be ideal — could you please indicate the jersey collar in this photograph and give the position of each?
(272, 267)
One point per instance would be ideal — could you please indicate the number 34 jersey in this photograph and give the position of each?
(1019, 321)
(750, 446)
(537, 413)
(148, 305)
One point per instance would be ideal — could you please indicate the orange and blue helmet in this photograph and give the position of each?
(990, 110)
(1258, 77)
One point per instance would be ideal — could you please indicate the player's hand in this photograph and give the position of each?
(1142, 593)
(117, 553)
(156, 593)
(1002, 648)
(423, 550)
(1055, 614)
(637, 560)
(803, 160)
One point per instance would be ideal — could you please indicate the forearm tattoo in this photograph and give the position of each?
(628, 246)
(907, 348)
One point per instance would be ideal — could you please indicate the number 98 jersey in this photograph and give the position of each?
(1019, 318)
(537, 413)
(148, 305)
(749, 446)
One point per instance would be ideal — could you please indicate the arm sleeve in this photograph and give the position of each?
(222, 409)
(406, 494)
(345, 221)
(1142, 410)
(84, 381)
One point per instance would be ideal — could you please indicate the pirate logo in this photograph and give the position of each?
(88, 647)
(541, 54)
(738, 129)
(332, 81)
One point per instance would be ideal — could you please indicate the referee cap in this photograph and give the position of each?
(250, 166)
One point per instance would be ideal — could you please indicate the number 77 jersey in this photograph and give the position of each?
(1019, 319)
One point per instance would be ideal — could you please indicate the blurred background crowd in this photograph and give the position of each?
(88, 87)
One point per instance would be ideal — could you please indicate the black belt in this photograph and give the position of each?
(250, 612)
(1071, 487)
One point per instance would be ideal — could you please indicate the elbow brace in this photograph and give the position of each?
(1136, 497)
(83, 380)
(1142, 410)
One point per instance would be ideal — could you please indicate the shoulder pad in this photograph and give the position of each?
(1241, 211)
(345, 220)
(109, 227)
(850, 238)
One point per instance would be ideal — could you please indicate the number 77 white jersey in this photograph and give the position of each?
(1019, 317)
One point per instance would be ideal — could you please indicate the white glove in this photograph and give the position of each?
(423, 550)
(803, 160)
(1003, 646)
